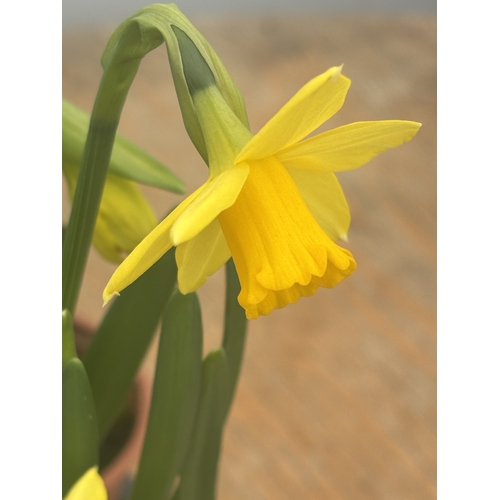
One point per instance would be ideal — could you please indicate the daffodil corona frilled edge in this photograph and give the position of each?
(271, 201)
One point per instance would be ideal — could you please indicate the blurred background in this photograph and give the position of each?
(96, 12)
(337, 396)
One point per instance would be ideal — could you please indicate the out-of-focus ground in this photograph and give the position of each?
(337, 396)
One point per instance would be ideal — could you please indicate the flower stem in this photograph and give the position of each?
(235, 326)
(108, 105)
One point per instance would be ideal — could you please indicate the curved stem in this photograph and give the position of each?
(108, 105)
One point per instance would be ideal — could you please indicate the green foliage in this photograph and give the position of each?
(175, 398)
(80, 435)
(68, 338)
(191, 398)
(127, 159)
(199, 473)
(123, 337)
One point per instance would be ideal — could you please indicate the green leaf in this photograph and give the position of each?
(175, 398)
(127, 159)
(221, 370)
(199, 472)
(123, 337)
(80, 435)
(68, 338)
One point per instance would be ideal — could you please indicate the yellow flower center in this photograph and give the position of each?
(280, 251)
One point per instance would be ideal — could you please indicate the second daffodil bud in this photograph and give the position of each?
(125, 217)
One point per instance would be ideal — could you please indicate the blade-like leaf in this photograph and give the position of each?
(124, 335)
(175, 398)
(127, 159)
(80, 435)
(199, 472)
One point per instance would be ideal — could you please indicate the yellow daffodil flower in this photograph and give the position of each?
(271, 201)
(89, 487)
(124, 219)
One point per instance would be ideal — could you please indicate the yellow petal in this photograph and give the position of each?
(220, 193)
(200, 257)
(313, 104)
(89, 487)
(326, 201)
(280, 251)
(149, 251)
(347, 147)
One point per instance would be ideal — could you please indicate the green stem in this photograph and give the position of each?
(235, 325)
(108, 105)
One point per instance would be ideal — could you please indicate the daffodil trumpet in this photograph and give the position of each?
(271, 200)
